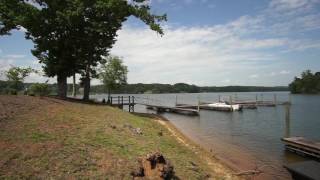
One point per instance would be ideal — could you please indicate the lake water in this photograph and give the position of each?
(248, 139)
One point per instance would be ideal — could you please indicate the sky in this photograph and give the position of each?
(208, 43)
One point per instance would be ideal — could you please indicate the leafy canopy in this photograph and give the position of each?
(113, 73)
(18, 74)
(70, 34)
(309, 83)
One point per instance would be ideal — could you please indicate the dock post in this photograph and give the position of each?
(198, 104)
(275, 99)
(118, 101)
(121, 102)
(287, 131)
(111, 100)
(129, 104)
(132, 104)
(290, 98)
(219, 98)
(176, 100)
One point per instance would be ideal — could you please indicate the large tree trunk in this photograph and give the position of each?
(86, 84)
(74, 91)
(62, 86)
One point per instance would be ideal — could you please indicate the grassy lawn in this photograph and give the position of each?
(49, 138)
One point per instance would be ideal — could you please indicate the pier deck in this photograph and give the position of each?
(177, 110)
(303, 146)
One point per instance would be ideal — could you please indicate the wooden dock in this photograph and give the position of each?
(303, 146)
(202, 106)
(206, 107)
(256, 103)
(308, 170)
(121, 101)
(177, 110)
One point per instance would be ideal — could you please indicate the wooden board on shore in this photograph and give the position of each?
(303, 146)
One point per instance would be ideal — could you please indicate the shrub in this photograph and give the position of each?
(39, 89)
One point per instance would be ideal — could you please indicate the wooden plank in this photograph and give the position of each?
(307, 170)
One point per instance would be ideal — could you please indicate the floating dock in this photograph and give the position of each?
(209, 107)
(256, 103)
(308, 170)
(303, 146)
(177, 110)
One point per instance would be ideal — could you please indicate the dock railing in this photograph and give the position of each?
(121, 101)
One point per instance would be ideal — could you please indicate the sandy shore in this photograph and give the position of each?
(243, 167)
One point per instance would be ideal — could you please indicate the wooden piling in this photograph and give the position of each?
(176, 100)
(129, 104)
(198, 104)
(287, 118)
(290, 98)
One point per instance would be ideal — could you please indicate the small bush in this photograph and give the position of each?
(39, 89)
(9, 91)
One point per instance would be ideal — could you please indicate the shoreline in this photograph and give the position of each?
(215, 162)
(238, 168)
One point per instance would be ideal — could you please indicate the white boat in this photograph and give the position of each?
(224, 107)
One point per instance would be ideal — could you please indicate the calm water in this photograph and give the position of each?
(249, 138)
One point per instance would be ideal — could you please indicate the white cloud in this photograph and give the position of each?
(192, 54)
(284, 72)
(5, 64)
(288, 5)
(254, 76)
(212, 55)
(188, 54)
(15, 56)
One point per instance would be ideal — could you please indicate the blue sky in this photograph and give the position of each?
(209, 42)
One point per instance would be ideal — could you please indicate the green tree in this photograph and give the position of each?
(309, 83)
(71, 36)
(39, 89)
(16, 76)
(113, 74)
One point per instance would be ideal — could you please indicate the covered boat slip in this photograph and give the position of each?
(303, 146)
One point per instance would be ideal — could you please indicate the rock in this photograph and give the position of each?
(113, 126)
(160, 133)
(155, 166)
(138, 131)
(192, 163)
(139, 172)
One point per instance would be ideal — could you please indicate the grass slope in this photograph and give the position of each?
(48, 138)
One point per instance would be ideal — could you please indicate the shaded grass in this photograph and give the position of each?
(71, 140)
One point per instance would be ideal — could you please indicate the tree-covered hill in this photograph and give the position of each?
(184, 88)
(163, 88)
(309, 83)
